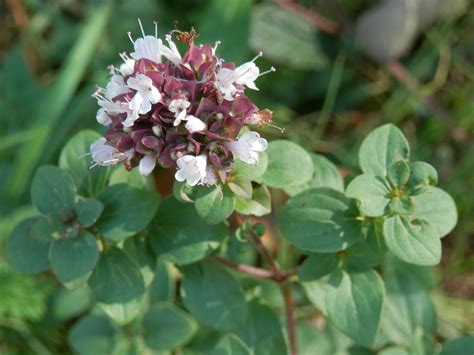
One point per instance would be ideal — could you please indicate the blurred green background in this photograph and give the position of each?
(382, 61)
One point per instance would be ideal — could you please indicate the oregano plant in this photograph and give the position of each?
(217, 265)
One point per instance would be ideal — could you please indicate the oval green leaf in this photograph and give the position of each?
(177, 234)
(93, 334)
(52, 190)
(88, 211)
(25, 250)
(167, 327)
(127, 211)
(355, 305)
(288, 165)
(372, 193)
(214, 204)
(259, 205)
(213, 296)
(382, 148)
(414, 241)
(319, 220)
(73, 259)
(116, 278)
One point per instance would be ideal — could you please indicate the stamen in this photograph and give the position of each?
(130, 36)
(84, 155)
(156, 28)
(260, 54)
(94, 164)
(282, 130)
(216, 44)
(141, 28)
(271, 70)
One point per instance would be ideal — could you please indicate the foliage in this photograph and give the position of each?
(337, 224)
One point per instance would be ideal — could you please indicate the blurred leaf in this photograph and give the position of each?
(252, 172)
(180, 236)
(92, 334)
(57, 98)
(317, 266)
(88, 211)
(162, 288)
(167, 327)
(214, 296)
(68, 304)
(285, 38)
(459, 346)
(226, 21)
(25, 251)
(230, 344)
(123, 312)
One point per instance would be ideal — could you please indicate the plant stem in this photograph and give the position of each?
(266, 256)
(290, 317)
(246, 269)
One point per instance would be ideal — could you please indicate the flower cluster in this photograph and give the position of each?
(179, 111)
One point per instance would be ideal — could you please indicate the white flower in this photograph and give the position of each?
(146, 94)
(246, 74)
(102, 117)
(225, 80)
(147, 164)
(104, 154)
(179, 107)
(127, 67)
(247, 147)
(172, 52)
(116, 87)
(148, 47)
(191, 169)
(194, 124)
(210, 178)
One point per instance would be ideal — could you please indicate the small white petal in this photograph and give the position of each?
(103, 118)
(104, 154)
(246, 74)
(147, 164)
(191, 169)
(247, 147)
(147, 47)
(194, 124)
(127, 68)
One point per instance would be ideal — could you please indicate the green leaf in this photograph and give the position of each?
(213, 296)
(458, 346)
(179, 235)
(437, 208)
(369, 252)
(127, 211)
(167, 327)
(214, 204)
(138, 250)
(25, 250)
(285, 38)
(372, 192)
(355, 305)
(92, 334)
(319, 220)
(241, 187)
(262, 331)
(227, 22)
(75, 159)
(398, 173)
(52, 190)
(88, 211)
(73, 259)
(259, 205)
(317, 266)
(116, 278)
(163, 287)
(401, 205)
(288, 165)
(382, 148)
(407, 307)
(133, 178)
(230, 344)
(123, 313)
(325, 174)
(252, 172)
(414, 241)
(422, 174)
(68, 304)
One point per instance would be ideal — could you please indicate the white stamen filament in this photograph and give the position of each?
(141, 28)
(156, 28)
(130, 36)
(271, 70)
(260, 54)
